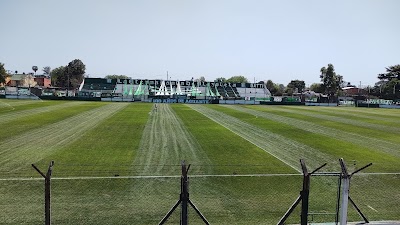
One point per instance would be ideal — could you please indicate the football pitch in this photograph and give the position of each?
(119, 163)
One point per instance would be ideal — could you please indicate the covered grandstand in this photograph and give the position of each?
(147, 90)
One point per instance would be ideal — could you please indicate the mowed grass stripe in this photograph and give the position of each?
(304, 123)
(26, 124)
(228, 152)
(284, 149)
(393, 113)
(340, 119)
(388, 135)
(15, 115)
(6, 103)
(21, 150)
(338, 111)
(165, 142)
(333, 147)
(6, 108)
(105, 150)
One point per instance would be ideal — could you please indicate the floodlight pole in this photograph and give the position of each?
(47, 191)
(303, 197)
(345, 176)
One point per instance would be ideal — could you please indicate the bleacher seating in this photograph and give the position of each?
(232, 92)
(98, 84)
(222, 91)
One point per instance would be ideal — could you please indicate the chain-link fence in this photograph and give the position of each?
(222, 199)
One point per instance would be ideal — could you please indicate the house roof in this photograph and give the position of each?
(18, 76)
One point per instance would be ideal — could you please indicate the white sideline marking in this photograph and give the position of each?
(372, 208)
(245, 138)
(355, 138)
(175, 176)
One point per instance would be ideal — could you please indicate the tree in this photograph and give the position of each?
(75, 71)
(392, 72)
(390, 89)
(330, 81)
(221, 80)
(58, 77)
(237, 79)
(297, 86)
(317, 87)
(46, 70)
(271, 87)
(34, 68)
(275, 88)
(70, 76)
(3, 74)
(201, 79)
(116, 77)
(280, 89)
(389, 84)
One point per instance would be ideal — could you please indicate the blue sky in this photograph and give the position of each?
(278, 40)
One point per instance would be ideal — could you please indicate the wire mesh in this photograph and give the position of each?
(22, 201)
(128, 196)
(323, 203)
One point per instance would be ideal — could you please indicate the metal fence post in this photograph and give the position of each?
(304, 196)
(47, 191)
(184, 200)
(184, 195)
(305, 193)
(346, 193)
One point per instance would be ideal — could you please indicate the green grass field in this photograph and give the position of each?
(119, 163)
